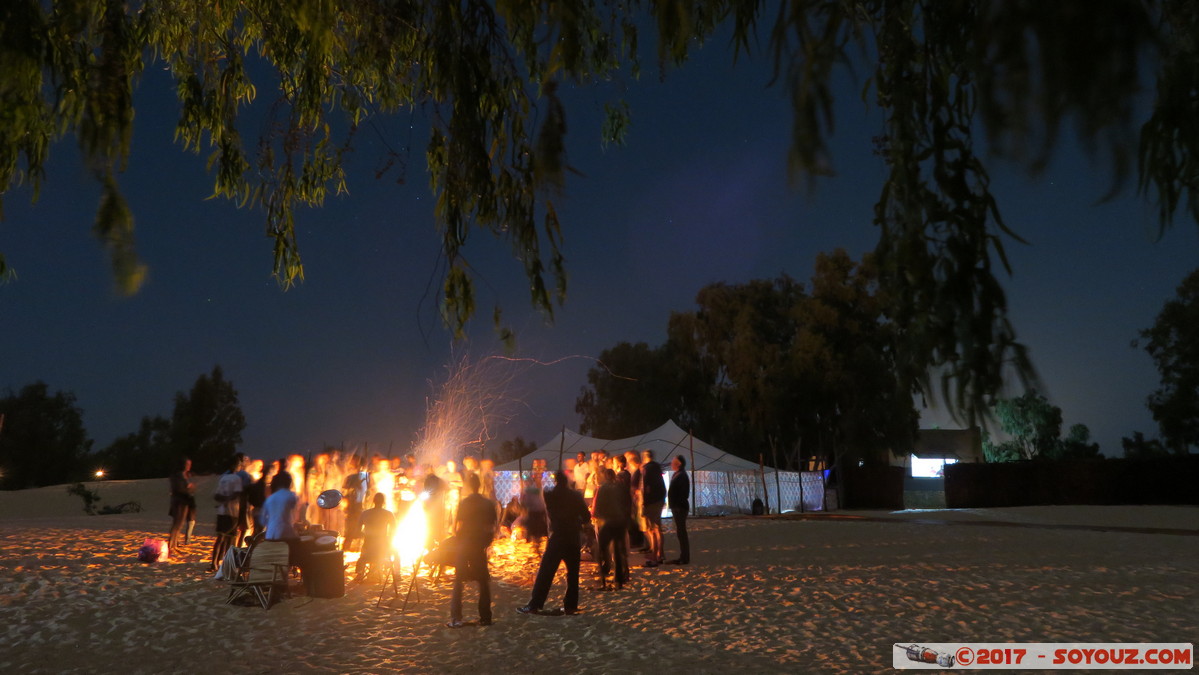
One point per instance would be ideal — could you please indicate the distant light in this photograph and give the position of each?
(930, 468)
(99, 474)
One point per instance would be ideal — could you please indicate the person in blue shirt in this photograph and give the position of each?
(279, 510)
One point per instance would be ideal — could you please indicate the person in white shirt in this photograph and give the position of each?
(228, 498)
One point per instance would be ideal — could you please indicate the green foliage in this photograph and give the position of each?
(635, 387)
(42, 440)
(1076, 445)
(90, 497)
(1034, 426)
(512, 449)
(1006, 451)
(764, 366)
(1173, 343)
(954, 81)
(1033, 423)
(146, 453)
(207, 423)
(1138, 447)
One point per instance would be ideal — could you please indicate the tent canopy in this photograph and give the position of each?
(666, 441)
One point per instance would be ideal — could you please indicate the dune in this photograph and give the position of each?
(769, 594)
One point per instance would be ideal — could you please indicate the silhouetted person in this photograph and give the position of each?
(653, 497)
(243, 503)
(183, 505)
(435, 488)
(613, 508)
(567, 514)
(378, 525)
(228, 498)
(474, 530)
(678, 498)
(354, 487)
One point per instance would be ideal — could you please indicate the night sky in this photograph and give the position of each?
(698, 194)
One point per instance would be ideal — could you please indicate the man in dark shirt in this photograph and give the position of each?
(475, 529)
(653, 496)
(678, 498)
(613, 506)
(567, 513)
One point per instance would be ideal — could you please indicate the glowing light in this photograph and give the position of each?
(383, 482)
(99, 474)
(473, 399)
(411, 534)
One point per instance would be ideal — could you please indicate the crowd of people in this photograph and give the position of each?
(243, 489)
(600, 505)
(608, 504)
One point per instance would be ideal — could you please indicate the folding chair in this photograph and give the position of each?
(265, 570)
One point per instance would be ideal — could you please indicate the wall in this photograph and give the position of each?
(1170, 480)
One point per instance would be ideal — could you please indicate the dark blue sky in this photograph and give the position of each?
(699, 194)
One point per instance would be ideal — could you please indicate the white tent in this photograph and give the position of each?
(666, 441)
(722, 482)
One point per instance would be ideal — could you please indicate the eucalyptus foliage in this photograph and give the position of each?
(1173, 343)
(1034, 426)
(955, 81)
(768, 366)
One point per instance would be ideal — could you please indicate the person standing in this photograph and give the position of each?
(567, 514)
(653, 496)
(183, 505)
(613, 507)
(474, 530)
(435, 491)
(637, 521)
(255, 494)
(581, 470)
(678, 499)
(243, 503)
(355, 486)
(228, 497)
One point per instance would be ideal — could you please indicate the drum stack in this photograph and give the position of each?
(324, 573)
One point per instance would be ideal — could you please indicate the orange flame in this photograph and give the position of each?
(411, 534)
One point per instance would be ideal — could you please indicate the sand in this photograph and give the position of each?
(763, 595)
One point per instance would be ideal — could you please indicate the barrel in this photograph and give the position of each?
(325, 575)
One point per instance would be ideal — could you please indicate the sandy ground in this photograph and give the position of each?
(763, 595)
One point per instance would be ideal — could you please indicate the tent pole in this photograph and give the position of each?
(762, 470)
(729, 481)
(778, 488)
(799, 463)
(561, 447)
(694, 473)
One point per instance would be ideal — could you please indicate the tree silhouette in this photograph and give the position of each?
(1173, 342)
(766, 366)
(207, 423)
(954, 81)
(42, 440)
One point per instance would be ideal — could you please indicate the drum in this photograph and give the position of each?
(325, 575)
(324, 542)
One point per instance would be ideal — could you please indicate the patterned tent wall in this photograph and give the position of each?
(717, 492)
(734, 492)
